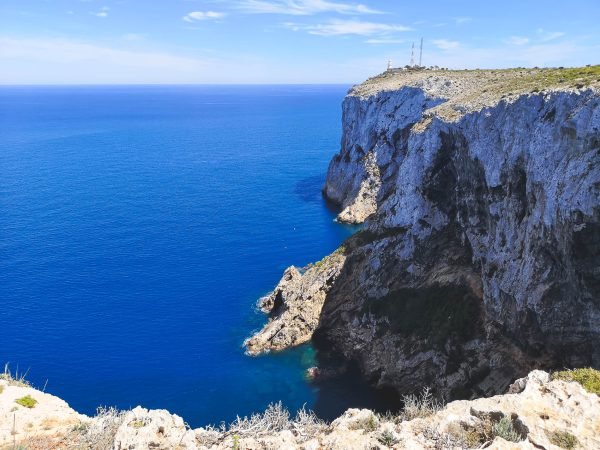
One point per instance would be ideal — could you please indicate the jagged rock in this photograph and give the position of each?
(157, 429)
(294, 306)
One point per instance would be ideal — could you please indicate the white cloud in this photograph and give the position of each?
(541, 55)
(302, 7)
(133, 37)
(445, 44)
(203, 15)
(385, 41)
(546, 36)
(348, 27)
(517, 40)
(461, 20)
(103, 13)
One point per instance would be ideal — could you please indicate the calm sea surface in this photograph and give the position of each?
(138, 227)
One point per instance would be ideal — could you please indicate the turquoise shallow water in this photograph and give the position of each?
(138, 227)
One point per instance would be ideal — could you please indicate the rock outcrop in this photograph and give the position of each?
(480, 254)
(294, 306)
(46, 417)
(536, 413)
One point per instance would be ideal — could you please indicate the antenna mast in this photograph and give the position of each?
(421, 54)
(412, 55)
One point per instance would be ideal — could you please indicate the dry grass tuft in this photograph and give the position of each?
(16, 379)
(420, 406)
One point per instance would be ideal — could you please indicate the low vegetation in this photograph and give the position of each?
(387, 438)
(100, 435)
(275, 418)
(504, 428)
(28, 401)
(588, 378)
(14, 379)
(564, 439)
(420, 406)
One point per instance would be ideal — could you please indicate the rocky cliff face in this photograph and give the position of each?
(480, 254)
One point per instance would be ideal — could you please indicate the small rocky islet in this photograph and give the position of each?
(475, 276)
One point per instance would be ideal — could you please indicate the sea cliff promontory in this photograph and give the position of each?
(479, 254)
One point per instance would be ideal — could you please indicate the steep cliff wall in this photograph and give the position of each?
(480, 256)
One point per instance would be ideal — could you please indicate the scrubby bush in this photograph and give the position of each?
(564, 439)
(387, 438)
(28, 401)
(589, 378)
(423, 405)
(504, 429)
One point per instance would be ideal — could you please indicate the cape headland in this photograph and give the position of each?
(478, 260)
(477, 264)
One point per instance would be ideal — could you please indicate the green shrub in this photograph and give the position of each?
(28, 401)
(387, 438)
(372, 424)
(589, 378)
(504, 429)
(564, 439)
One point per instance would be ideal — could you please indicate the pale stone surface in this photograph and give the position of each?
(50, 416)
(537, 407)
(157, 429)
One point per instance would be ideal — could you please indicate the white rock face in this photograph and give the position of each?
(482, 211)
(157, 429)
(50, 416)
(537, 407)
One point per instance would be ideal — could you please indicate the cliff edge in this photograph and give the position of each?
(479, 257)
(538, 412)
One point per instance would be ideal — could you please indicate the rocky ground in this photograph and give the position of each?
(536, 413)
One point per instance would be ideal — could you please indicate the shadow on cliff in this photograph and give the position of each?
(350, 389)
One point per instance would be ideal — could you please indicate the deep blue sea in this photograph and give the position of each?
(138, 228)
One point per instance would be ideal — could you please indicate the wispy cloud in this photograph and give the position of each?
(445, 44)
(103, 13)
(546, 36)
(541, 36)
(302, 7)
(348, 27)
(133, 37)
(385, 41)
(517, 40)
(462, 20)
(195, 16)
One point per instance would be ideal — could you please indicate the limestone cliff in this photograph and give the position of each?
(480, 253)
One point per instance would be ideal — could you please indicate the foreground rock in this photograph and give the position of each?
(537, 413)
(480, 254)
(50, 417)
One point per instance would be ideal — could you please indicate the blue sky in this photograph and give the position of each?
(282, 41)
